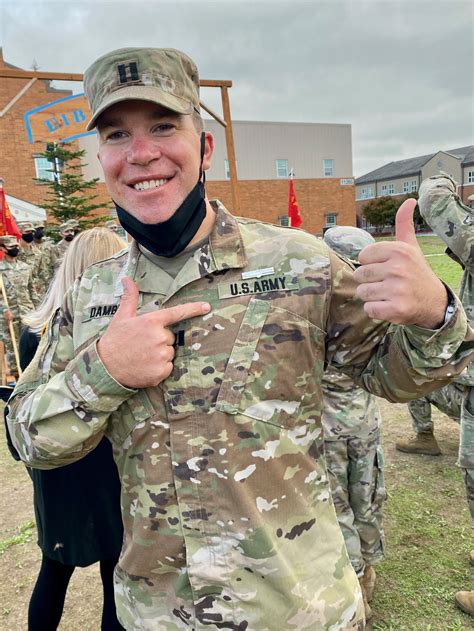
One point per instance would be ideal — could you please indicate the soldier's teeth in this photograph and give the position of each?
(146, 184)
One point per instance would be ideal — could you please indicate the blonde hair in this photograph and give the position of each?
(90, 246)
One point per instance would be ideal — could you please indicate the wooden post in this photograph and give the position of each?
(229, 137)
(10, 327)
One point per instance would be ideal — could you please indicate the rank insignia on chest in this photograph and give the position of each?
(257, 286)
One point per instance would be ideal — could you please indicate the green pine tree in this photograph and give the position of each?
(69, 195)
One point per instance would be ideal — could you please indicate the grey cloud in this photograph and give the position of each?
(401, 72)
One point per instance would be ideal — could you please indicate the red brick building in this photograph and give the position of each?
(18, 162)
(319, 154)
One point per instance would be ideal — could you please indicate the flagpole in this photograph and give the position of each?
(291, 175)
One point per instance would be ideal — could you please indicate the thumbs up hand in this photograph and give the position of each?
(136, 350)
(395, 281)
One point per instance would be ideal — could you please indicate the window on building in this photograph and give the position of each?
(43, 168)
(328, 168)
(406, 187)
(391, 189)
(227, 168)
(414, 186)
(282, 168)
(470, 177)
(366, 192)
(384, 189)
(331, 220)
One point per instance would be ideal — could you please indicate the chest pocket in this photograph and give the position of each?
(274, 358)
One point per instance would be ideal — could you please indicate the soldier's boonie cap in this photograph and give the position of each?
(164, 76)
(65, 226)
(348, 241)
(26, 226)
(8, 240)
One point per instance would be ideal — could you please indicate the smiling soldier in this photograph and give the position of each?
(207, 377)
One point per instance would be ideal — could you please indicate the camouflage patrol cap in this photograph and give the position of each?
(26, 226)
(65, 226)
(39, 224)
(8, 240)
(160, 75)
(111, 225)
(73, 223)
(348, 241)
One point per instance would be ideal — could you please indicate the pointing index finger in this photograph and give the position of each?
(183, 312)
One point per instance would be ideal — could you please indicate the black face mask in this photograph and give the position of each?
(39, 233)
(28, 237)
(69, 237)
(13, 252)
(170, 237)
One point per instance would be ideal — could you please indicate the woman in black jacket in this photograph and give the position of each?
(77, 507)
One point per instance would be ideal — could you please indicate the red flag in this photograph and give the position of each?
(293, 210)
(7, 221)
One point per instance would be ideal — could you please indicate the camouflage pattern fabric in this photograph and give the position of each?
(442, 209)
(17, 279)
(466, 446)
(351, 421)
(354, 460)
(355, 470)
(30, 255)
(227, 509)
(447, 399)
(348, 241)
(47, 267)
(162, 75)
(60, 250)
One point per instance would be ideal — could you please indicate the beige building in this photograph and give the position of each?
(320, 156)
(405, 176)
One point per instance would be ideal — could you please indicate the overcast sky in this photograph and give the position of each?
(399, 71)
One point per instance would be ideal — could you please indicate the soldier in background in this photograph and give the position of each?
(449, 401)
(111, 225)
(67, 234)
(442, 209)
(354, 459)
(75, 225)
(47, 248)
(20, 292)
(30, 255)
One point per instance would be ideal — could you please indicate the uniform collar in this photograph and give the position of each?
(224, 250)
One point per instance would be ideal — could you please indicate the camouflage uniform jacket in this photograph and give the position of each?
(49, 256)
(228, 517)
(347, 409)
(21, 294)
(61, 248)
(453, 221)
(31, 255)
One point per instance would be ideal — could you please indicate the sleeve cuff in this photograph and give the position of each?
(89, 380)
(442, 342)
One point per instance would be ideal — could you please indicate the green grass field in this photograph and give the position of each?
(444, 267)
